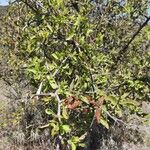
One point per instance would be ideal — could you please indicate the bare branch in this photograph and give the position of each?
(43, 94)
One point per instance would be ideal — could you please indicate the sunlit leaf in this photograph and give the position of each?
(104, 122)
(65, 113)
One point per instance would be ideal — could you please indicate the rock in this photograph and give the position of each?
(146, 107)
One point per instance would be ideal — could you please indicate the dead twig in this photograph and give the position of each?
(39, 90)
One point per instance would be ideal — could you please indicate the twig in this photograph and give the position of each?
(43, 94)
(114, 118)
(83, 136)
(121, 121)
(59, 106)
(39, 89)
(58, 145)
(93, 119)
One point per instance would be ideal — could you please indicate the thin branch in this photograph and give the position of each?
(83, 136)
(43, 94)
(30, 6)
(135, 34)
(125, 48)
(59, 106)
(114, 118)
(128, 125)
(39, 89)
(58, 145)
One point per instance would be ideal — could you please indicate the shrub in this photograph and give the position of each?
(88, 60)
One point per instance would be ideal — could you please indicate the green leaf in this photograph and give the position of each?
(82, 144)
(112, 99)
(73, 145)
(50, 28)
(84, 99)
(74, 142)
(52, 82)
(147, 116)
(70, 36)
(104, 122)
(147, 122)
(64, 113)
(75, 139)
(50, 112)
(55, 56)
(118, 111)
(88, 32)
(78, 20)
(32, 70)
(55, 128)
(129, 103)
(65, 128)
